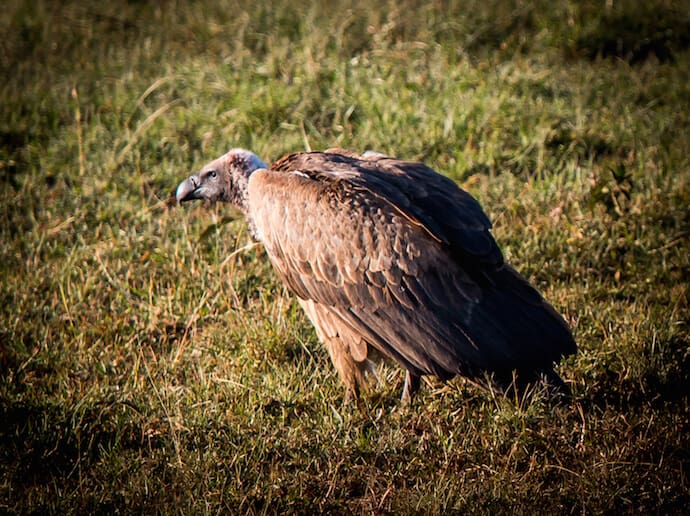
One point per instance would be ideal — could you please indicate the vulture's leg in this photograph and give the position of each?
(351, 393)
(410, 388)
(555, 383)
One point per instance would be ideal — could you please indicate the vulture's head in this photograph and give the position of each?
(224, 179)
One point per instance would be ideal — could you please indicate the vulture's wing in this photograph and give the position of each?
(405, 259)
(428, 199)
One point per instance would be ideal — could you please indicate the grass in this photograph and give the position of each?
(143, 370)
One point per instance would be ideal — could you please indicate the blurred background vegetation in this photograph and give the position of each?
(146, 366)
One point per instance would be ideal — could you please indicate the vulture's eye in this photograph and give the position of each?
(212, 173)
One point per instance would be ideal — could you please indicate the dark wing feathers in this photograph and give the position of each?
(427, 199)
(454, 216)
(398, 253)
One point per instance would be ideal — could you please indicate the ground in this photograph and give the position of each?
(150, 361)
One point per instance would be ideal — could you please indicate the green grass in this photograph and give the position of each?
(142, 370)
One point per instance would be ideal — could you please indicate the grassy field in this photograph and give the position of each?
(150, 361)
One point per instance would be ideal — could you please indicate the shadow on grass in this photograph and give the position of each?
(660, 379)
(634, 33)
(39, 443)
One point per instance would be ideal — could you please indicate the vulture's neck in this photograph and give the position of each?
(238, 191)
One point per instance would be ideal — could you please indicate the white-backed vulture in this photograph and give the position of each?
(390, 256)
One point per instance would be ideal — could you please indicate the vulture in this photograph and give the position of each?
(390, 259)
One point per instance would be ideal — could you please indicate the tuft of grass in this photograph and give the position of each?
(150, 361)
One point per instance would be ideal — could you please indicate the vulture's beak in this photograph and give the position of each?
(188, 190)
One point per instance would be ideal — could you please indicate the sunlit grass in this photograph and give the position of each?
(151, 361)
